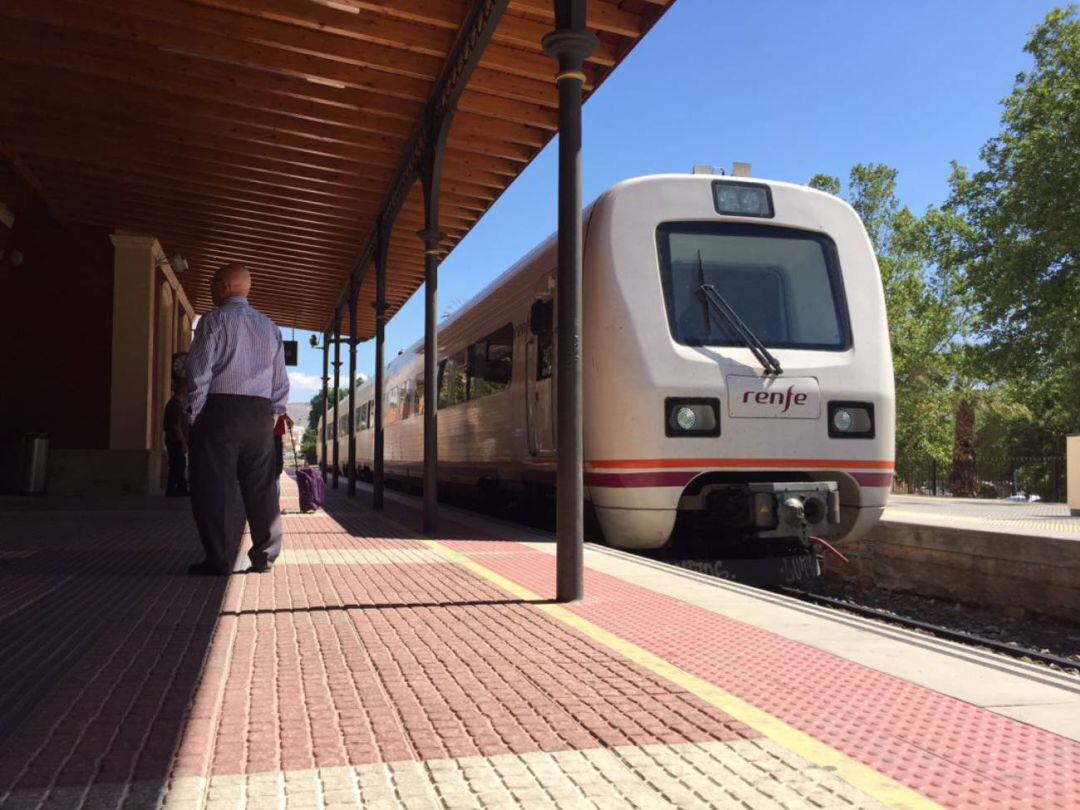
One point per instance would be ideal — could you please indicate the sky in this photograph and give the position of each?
(790, 86)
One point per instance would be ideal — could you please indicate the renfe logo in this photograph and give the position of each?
(773, 397)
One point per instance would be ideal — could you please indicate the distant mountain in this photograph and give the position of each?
(298, 412)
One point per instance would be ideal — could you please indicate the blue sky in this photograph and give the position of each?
(790, 86)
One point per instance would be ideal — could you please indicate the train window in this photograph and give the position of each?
(454, 380)
(418, 396)
(491, 363)
(370, 413)
(406, 399)
(543, 313)
(393, 405)
(783, 283)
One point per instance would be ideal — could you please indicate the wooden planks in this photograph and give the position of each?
(270, 130)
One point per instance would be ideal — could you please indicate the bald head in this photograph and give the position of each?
(230, 280)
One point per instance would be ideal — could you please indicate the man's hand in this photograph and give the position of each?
(289, 421)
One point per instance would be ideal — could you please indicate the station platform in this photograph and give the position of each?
(1032, 518)
(1019, 557)
(375, 667)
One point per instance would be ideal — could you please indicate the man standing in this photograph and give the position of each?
(239, 387)
(177, 425)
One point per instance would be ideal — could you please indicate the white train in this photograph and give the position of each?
(767, 430)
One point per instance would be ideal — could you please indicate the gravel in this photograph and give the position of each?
(1041, 634)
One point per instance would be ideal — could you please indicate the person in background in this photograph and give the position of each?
(284, 423)
(177, 426)
(239, 387)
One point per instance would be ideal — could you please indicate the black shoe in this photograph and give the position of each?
(207, 569)
(258, 569)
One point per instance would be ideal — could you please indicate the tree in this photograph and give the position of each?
(925, 322)
(310, 443)
(1020, 250)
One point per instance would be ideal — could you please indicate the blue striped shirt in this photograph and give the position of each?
(237, 350)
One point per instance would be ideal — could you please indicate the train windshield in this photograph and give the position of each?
(784, 284)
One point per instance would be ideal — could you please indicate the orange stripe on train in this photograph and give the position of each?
(757, 463)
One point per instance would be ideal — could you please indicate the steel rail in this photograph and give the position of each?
(937, 630)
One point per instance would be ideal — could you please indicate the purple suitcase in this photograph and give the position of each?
(312, 488)
(310, 483)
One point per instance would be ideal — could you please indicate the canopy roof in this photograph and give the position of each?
(270, 131)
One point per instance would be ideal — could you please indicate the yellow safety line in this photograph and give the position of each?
(876, 785)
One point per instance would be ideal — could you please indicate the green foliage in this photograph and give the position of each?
(1020, 246)
(310, 442)
(826, 183)
(316, 412)
(925, 322)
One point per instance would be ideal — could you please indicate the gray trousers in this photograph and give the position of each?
(232, 442)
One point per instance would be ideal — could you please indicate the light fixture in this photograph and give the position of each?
(692, 416)
(178, 264)
(851, 420)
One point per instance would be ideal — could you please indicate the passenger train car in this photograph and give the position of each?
(737, 373)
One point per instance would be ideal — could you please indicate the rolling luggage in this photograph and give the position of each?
(310, 482)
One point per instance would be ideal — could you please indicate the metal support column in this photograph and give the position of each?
(381, 251)
(432, 236)
(570, 43)
(431, 178)
(325, 411)
(352, 388)
(337, 388)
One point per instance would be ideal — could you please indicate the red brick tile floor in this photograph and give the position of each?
(369, 669)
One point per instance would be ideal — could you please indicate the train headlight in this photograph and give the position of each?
(685, 416)
(742, 199)
(843, 420)
(851, 420)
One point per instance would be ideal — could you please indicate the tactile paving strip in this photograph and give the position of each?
(951, 751)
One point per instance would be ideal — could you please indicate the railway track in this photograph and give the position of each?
(937, 630)
(1016, 650)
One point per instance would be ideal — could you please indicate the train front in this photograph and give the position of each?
(738, 388)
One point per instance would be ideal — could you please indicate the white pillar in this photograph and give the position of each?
(135, 298)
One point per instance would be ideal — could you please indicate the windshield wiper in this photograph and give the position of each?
(716, 303)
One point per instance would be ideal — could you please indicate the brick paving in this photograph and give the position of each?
(366, 669)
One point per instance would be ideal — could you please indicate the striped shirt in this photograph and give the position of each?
(237, 350)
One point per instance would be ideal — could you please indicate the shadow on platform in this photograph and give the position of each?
(103, 639)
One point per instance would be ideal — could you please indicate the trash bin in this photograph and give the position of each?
(33, 463)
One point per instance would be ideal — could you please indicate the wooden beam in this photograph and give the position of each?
(215, 34)
(47, 141)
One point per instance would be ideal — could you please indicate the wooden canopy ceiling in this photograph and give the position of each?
(269, 131)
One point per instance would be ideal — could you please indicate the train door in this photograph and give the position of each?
(540, 371)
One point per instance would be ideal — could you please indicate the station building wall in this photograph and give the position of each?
(90, 321)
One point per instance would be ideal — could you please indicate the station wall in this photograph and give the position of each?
(56, 283)
(91, 320)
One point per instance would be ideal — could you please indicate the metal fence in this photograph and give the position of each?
(1043, 477)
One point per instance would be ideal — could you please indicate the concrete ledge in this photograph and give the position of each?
(1016, 571)
(105, 472)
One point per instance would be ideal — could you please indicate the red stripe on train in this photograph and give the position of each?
(652, 479)
(684, 477)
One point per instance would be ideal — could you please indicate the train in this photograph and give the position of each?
(737, 376)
